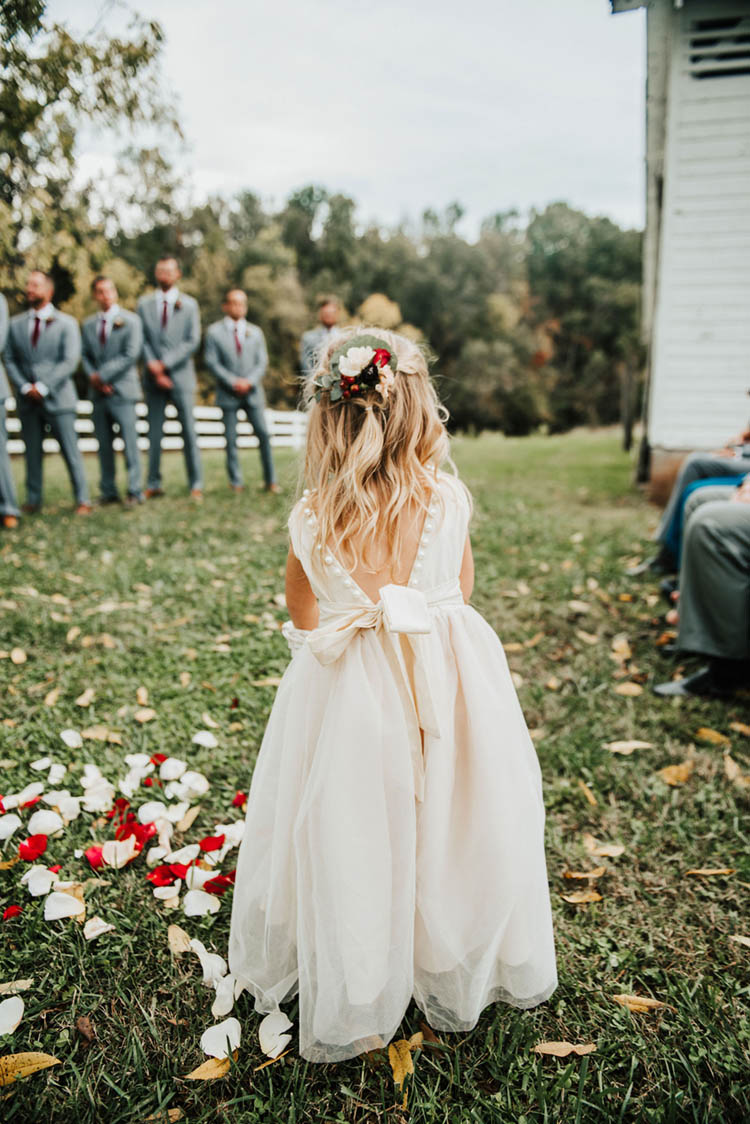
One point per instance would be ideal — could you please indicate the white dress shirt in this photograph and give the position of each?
(107, 319)
(46, 312)
(171, 296)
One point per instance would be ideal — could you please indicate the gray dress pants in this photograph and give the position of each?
(715, 582)
(257, 418)
(698, 466)
(108, 411)
(34, 417)
(183, 401)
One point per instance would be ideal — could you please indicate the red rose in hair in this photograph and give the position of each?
(381, 357)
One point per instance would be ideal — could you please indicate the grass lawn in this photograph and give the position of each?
(180, 600)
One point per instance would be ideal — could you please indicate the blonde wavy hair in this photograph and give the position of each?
(369, 459)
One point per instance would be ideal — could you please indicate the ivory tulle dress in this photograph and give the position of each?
(394, 837)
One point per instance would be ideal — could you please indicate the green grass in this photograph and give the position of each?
(168, 583)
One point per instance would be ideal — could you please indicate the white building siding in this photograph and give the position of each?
(701, 340)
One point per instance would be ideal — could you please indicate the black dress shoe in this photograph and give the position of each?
(133, 499)
(700, 685)
(661, 563)
(104, 501)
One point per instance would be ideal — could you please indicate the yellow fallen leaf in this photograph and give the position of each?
(602, 850)
(638, 1003)
(210, 1070)
(72, 634)
(534, 640)
(587, 793)
(734, 774)
(588, 638)
(592, 875)
(101, 734)
(13, 1066)
(185, 678)
(553, 683)
(145, 714)
(272, 681)
(86, 698)
(740, 728)
(628, 689)
(209, 721)
(399, 1055)
(50, 699)
(581, 897)
(562, 1049)
(621, 650)
(513, 646)
(166, 1116)
(179, 941)
(579, 607)
(713, 737)
(627, 747)
(188, 819)
(745, 941)
(272, 1060)
(18, 655)
(709, 872)
(676, 774)
(141, 696)
(517, 679)
(15, 986)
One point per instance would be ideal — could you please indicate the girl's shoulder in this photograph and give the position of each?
(453, 489)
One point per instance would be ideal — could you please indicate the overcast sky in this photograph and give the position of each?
(404, 104)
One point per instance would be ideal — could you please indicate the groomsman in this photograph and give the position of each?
(112, 341)
(317, 339)
(41, 355)
(236, 355)
(171, 335)
(8, 503)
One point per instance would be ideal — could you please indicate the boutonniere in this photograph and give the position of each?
(177, 305)
(247, 333)
(118, 324)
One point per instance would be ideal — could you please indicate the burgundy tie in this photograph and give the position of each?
(164, 314)
(237, 341)
(102, 331)
(36, 330)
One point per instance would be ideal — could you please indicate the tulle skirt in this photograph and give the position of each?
(356, 894)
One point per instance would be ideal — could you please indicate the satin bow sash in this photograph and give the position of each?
(401, 611)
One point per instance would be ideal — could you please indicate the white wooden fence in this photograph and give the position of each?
(286, 428)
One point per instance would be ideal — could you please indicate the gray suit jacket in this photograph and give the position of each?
(53, 361)
(116, 361)
(222, 360)
(4, 384)
(178, 344)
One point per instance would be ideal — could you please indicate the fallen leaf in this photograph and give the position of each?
(85, 1028)
(627, 747)
(207, 720)
(621, 650)
(602, 850)
(676, 774)
(713, 737)
(96, 927)
(579, 607)
(271, 1061)
(166, 1116)
(210, 1070)
(18, 655)
(581, 897)
(271, 681)
(141, 696)
(563, 1049)
(86, 698)
(16, 985)
(740, 728)
(185, 678)
(188, 819)
(628, 689)
(14, 1066)
(399, 1055)
(553, 683)
(709, 872)
(145, 714)
(638, 1003)
(101, 734)
(50, 699)
(72, 634)
(588, 638)
(592, 875)
(429, 1034)
(745, 941)
(587, 793)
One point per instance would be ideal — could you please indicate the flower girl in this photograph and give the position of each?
(394, 840)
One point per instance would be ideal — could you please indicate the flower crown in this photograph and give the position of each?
(363, 362)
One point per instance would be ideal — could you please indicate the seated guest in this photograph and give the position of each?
(235, 353)
(732, 460)
(8, 503)
(317, 339)
(714, 605)
(112, 340)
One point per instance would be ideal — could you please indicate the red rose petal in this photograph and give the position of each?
(161, 876)
(147, 782)
(180, 869)
(12, 911)
(239, 800)
(158, 758)
(55, 869)
(2, 806)
(218, 885)
(94, 856)
(212, 843)
(30, 803)
(32, 847)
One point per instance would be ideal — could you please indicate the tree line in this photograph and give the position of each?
(532, 323)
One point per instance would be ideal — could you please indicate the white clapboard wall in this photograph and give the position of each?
(286, 429)
(701, 330)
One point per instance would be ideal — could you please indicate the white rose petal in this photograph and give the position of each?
(154, 855)
(58, 905)
(69, 808)
(117, 853)
(11, 1013)
(164, 893)
(18, 799)
(213, 965)
(42, 763)
(55, 795)
(140, 761)
(56, 773)
(228, 988)
(185, 854)
(205, 739)
(175, 812)
(196, 877)
(221, 1040)
(232, 832)
(72, 739)
(9, 824)
(355, 360)
(192, 785)
(45, 822)
(96, 927)
(271, 1033)
(39, 880)
(99, 796)
(151, 811)
(172, 769)
(197, 903)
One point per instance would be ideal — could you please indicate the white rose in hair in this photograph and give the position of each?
(355, 360)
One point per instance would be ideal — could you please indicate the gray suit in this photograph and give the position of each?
(175, 345)
(8, 501)
(715, 582)
(312, 345)
(115, 363)
(53, 362)
(227, 365)
(700, 466)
